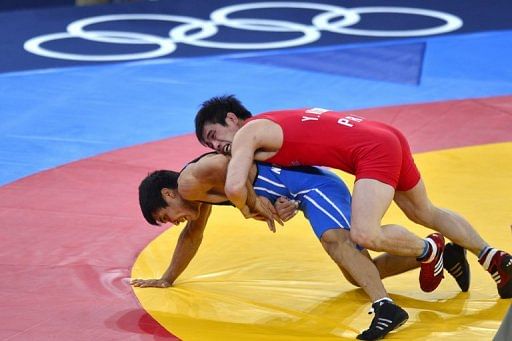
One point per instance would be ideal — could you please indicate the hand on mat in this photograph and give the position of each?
(286, 208)
(150, 283)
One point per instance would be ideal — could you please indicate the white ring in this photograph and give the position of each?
(452, 22)
(220, 16)
(166, 46)
(207, 29)
(310, 34)
(76, 28)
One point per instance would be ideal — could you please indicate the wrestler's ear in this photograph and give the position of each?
(167, 193)
(231, 117)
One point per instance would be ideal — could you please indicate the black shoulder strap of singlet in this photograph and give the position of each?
(222, 203)
(197, 159)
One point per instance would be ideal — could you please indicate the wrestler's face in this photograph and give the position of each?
(178, 210)
(219, 137)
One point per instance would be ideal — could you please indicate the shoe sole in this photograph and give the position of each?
(394, 328)
(405, 317)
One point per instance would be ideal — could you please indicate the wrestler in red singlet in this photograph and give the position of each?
(367, 149)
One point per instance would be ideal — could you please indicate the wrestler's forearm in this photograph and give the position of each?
(186, 249)
(188, 243)
(251, 196)
(236, 190)
(236, 180)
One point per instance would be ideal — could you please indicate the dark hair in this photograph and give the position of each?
(150, 195)
(215, 110)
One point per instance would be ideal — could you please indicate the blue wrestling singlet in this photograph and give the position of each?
(323, 197)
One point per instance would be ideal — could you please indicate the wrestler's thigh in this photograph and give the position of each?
(370, 200)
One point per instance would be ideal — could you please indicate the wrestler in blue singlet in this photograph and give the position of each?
(323, 197)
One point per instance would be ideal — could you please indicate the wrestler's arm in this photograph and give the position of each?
(205, 180)
(244, 145)
(202, 180)
(188, 243)
(257, 136)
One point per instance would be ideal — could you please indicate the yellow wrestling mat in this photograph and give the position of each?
(246, 283)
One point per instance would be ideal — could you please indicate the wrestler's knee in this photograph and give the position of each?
(338, 245)
(335, 235)
(367, 238)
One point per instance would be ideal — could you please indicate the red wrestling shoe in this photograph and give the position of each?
(431, 273)
(499, 264)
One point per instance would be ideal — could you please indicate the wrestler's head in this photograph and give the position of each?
(160, 201)
(218, 120)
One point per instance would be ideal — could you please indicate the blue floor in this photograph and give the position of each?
(54, 116)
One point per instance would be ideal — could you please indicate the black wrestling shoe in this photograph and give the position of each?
(455, 262)
(388, 316)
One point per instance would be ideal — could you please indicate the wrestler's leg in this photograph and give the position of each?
(417, 206)
(370, 200)
(357, 267)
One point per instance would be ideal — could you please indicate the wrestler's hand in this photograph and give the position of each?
(262, 210)
(147, 283)
(248, 214)
(286, 208)
(265, 208)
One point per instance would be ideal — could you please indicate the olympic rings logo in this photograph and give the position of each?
(332, 19)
